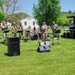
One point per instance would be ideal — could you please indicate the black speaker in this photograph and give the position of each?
(66, 35)
(13, 46)
(43, 49)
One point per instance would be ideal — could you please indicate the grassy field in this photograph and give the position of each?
(59, 61)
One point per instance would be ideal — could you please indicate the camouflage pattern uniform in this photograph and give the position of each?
(44, 31)
(3, 28)
(14, 30)
(20, 28)
(29, 32)
(54, 29)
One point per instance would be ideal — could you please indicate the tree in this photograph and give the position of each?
(63, 20)
(1, 5)
(46, 10)
(70, 12)
(10, 6)
(2, 13)
(2, 16)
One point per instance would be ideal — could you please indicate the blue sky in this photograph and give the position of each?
(27, 5)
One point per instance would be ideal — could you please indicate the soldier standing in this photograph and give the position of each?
(20, 30)
(14, 30)
(44, 31)
(55, 34)
(3, 28)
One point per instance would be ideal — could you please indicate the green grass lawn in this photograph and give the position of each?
(59, 61)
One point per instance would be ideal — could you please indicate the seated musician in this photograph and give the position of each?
(34, 34)
(54, 29)
(14, 30)
(3, 28)
(44, 30)
(39, 33)
(20, 30)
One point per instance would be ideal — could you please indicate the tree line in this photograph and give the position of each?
(45, 10)
(49, 11)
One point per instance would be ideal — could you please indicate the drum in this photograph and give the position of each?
(35, 37)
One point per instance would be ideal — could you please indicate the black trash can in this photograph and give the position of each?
(13, 46)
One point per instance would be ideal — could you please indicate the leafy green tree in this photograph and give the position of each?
(2, 16)
(46, 10)
(70, 12)
(62, 20)
(2, 13)
(1, 4)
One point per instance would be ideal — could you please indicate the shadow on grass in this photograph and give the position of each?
(1, 42)
(30, 50)
(11, 55)
(6, 54)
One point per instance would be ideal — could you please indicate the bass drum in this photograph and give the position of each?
(35, 37)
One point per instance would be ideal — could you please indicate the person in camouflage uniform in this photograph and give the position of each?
(54, 30)
(3, 28)
(20, 30)
(14, 30)
(44, 30)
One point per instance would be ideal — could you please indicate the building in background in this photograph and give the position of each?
(9, 24)
(29, 21)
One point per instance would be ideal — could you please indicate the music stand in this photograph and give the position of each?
(5, 32)
(56, 36)
(20, 31)
(57, 31)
